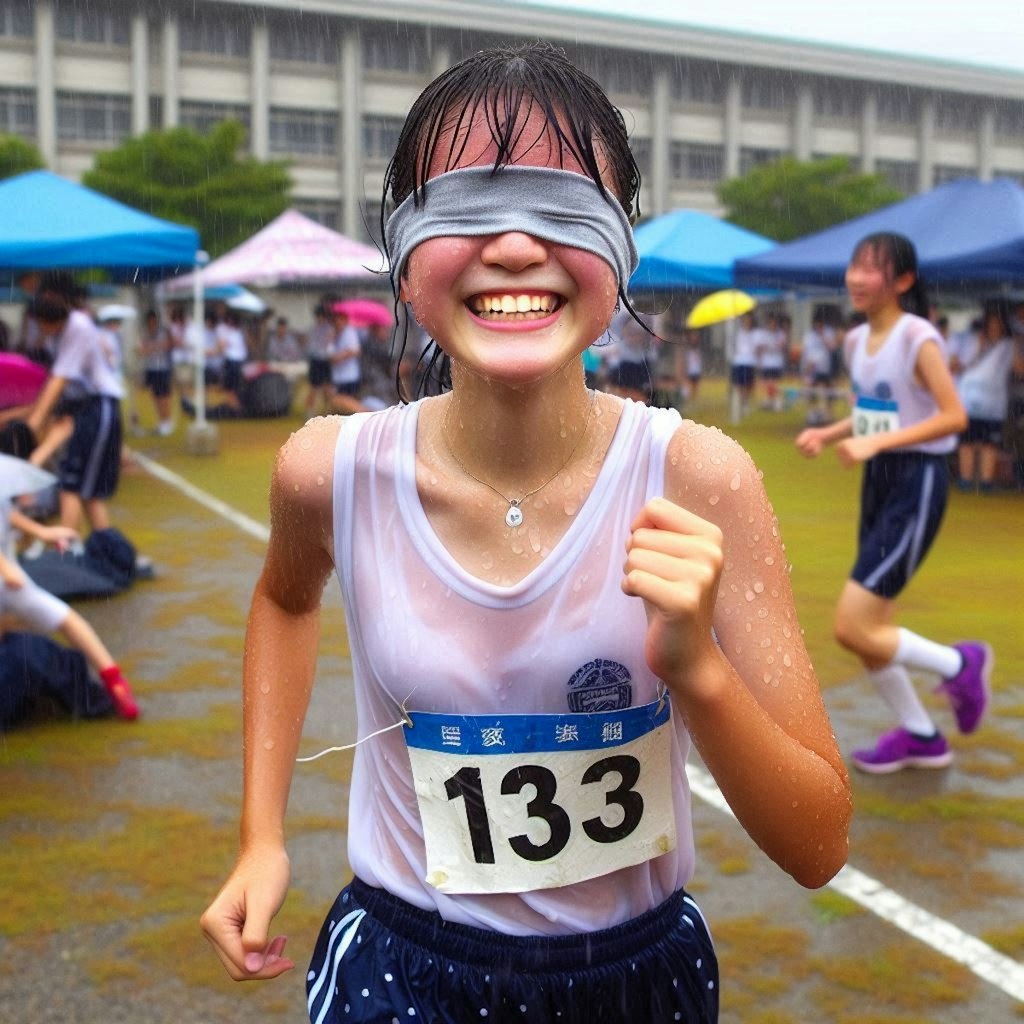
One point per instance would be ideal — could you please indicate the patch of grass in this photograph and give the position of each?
(1007, 940)
(829, 906)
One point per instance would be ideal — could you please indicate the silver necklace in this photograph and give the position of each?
(514, 513)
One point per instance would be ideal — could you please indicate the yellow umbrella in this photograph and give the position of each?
(719, 306)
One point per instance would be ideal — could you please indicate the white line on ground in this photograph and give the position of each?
(942, 936)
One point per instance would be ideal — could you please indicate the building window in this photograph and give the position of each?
(841, 101)
(941, 173)
(380, 136)
(17, 19)
(752, 156)
(642, 154)
(699, 83)
(303, 39)
(398, 51)
(1010, 119)
(901, 174)
(18, 112)
(767, 91)
(93, 117)
(87, 24)
(307, 132)
(897, 105)
(692, 161)
(621, 74)
(954, 116)
(323, 211)
(220, 36)
(201, 117)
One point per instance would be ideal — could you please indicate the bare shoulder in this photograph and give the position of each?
(706, 469)
(303, 479)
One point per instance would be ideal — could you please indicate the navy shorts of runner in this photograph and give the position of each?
(742, 376)
(902, 501)
(981, 431)
(231, 375)
(319, 372)
(379, 959)
(91, 466)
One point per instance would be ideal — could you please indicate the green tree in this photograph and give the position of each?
(200, 180)
(788, 198)
(18, 156)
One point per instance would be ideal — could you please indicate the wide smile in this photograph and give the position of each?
(515, 307)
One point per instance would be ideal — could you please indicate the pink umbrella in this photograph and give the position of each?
(21, 380)
(365, 312)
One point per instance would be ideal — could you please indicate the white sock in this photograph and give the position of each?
(895, 688)
(919, 652)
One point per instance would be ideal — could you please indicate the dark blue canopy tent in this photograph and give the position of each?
(968, 234)
(48, 222)
(686, 250)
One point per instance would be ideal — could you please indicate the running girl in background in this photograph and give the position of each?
(904, 423)
(577, 587)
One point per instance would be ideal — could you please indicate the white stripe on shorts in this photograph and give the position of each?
(333, 960)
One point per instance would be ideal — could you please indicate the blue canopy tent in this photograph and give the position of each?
(968, 234)
(686, 250)
(48, 222)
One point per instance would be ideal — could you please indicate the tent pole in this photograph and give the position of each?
(201, 437)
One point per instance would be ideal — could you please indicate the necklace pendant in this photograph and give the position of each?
(514, 515)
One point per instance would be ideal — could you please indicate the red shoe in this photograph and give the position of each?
(120, 693)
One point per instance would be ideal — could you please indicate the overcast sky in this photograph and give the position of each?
(985, 32)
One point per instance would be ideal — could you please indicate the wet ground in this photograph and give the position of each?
(114, 836)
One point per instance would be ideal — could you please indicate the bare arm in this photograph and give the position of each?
(280, 659)
(751, 702)
(52, 390)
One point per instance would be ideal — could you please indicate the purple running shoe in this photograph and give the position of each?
(901, 749)
(969, 690)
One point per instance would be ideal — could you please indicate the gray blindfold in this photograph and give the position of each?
(558, 206)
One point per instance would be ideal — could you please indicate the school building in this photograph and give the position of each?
(326, 84)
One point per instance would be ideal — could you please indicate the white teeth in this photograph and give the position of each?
(514, 304)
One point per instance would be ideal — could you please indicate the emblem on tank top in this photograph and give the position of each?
(600, 685)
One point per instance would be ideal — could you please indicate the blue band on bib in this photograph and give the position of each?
(505, 734)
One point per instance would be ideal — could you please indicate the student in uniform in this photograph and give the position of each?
(87, 378)
(543, 551)
(903, 426)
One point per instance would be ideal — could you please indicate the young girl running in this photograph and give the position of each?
(904, 423)
(550, 593)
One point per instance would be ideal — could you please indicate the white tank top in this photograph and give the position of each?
(888, 375)
(425, 632)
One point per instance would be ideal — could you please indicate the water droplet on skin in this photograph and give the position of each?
(297, 488)
(268, 744)
(796, 803)
(487, 560)
(749, 595)
(749, 626)
(264, 687)
(570, 508)
(758, 587)
(535, 540)
(306, 443)
(787, 660)
(713, 500)
(320, 480)
(674, 461)
(770, 659)
(787, 632)
(700, 465)
(766, 642)
(517, 549)
(768, 560)
(767, 677)
(734, 483)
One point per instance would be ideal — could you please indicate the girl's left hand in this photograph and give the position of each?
(857, 449)
(674, 561)
(61, 536)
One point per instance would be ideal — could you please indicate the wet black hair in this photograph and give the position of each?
(17, 439)
(48, 309)
(896, 253)
(504, 85)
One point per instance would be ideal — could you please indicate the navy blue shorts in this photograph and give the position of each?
(319, 372)
(742, 376)
(159, 382)
(902, 501)
(379, 959)
(231, 375)
(91, 466)
(981, 431)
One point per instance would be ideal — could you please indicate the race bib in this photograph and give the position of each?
(875, 416)
(515, 803)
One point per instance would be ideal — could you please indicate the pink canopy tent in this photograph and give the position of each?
(291, 249)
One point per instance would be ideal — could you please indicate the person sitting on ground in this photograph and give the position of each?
(32, 607)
